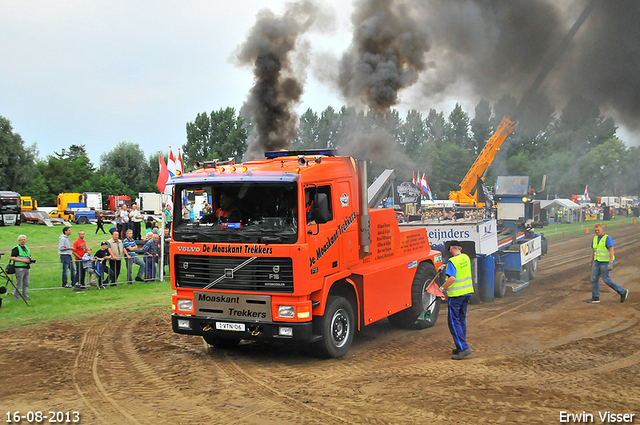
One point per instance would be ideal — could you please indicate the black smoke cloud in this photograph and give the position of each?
(272, 49)
(487, 48)
(386, 54)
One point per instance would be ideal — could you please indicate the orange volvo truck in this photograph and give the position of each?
(286, 248)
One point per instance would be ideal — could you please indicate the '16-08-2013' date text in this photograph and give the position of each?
(47, 417)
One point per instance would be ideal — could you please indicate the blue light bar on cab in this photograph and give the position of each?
(309, 152)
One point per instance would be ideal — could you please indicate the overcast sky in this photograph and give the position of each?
(100, 72)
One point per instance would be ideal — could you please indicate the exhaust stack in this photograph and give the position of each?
(365, 225)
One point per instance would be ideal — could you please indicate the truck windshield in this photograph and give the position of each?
(10, 205)
(512, 185)
(248, 212)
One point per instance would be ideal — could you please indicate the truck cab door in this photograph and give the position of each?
(321, 232)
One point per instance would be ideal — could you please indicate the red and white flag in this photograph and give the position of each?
(163, 176)
(434, 289)
(171, 164)
(425, 186)
(586, 194)
(179, 165)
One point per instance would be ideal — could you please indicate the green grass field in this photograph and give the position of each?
(65, 304)
(555, 230)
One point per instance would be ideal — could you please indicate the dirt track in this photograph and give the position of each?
(537, 352)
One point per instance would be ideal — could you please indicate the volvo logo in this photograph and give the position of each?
(276, 269)
(185, 265)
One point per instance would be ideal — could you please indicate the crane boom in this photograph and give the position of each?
(488, 153)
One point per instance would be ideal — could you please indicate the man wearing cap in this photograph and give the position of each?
(459, 288)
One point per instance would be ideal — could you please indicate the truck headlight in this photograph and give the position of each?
(185, 305)
(184, 324)
(287, 311)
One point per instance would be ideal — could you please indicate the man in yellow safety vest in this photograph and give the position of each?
(602, 259)
(459, 288)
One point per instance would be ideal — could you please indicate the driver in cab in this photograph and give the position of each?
(228, 212)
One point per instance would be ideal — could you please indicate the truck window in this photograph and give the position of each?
(247, 212)
(324, 210)
(512, 185)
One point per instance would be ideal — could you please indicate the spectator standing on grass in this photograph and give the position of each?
(150, 250)
(136, 219)
(124, 215)
(99, 224)
(102, 255)
(21, 256)
(116, 249)
(118, 220)
(79, 247)
(148, 224)
(130, 248)
(166, 241)
(602, 259)
(155, 229)
(87, 266)
(185, 213)
(65, 249)
(167, 215)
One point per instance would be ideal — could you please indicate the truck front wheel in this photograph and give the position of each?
(425, 308)
(338, 327)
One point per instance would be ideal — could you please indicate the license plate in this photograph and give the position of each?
(222, 326)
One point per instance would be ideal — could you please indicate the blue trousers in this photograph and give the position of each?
(67, 265)
(130, 262)
(600, 270)
(458, 320)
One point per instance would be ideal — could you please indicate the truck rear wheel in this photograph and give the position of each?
(219, 342)
(533, 269)
(337, 326)
(421, 300)
(82, 220)
(500, 285)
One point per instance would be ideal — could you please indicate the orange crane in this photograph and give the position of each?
(482, 162)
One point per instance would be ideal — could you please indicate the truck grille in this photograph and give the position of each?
(260, 274)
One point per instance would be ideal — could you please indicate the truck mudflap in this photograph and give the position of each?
(237, 329)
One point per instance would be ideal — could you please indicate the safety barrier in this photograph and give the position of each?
(48, 274)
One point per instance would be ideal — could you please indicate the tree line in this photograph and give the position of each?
(124, 170)
(574, 148)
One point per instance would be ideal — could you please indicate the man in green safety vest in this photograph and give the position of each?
(459, 288)
(602, 259)
(21, 257)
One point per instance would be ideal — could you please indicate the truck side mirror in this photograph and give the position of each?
(322, 213)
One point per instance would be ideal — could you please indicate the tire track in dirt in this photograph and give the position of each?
(90, 387)
(267, 392)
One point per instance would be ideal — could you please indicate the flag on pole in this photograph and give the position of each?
(163, 176)
(414, 179)
(179, 165)
(586, 193)
(425, 186)
(434, 289)
(171, 164)
(420, 184)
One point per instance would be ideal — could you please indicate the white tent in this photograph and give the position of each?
(559, 203)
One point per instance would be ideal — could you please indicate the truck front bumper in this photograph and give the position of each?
(196, 325)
